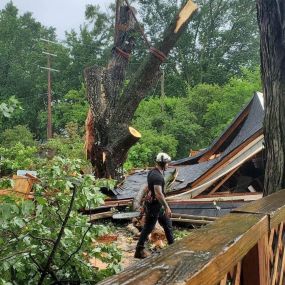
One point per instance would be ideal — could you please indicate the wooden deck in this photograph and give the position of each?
(244, 247)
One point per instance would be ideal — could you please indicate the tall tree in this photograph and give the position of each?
(114, 103)
(91, 45)
(20, 59)
(221, 38)
(271, 18)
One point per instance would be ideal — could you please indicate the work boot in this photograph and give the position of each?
(141, 253)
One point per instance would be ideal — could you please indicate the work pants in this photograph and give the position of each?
(154, 213)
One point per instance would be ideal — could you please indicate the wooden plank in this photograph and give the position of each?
(229, 162)
(99, 216)
(276, 256)
(270, 251)
(201, 258)
(273, 205)
(191, 221)
(228, 176)
(224, 280)
(177, 215)
(225, 160)
(255, 265)
(237, 272)
(282, 268)
(225, 136)
(237, 197)
(22, 187)
(263, 260)
(227, 194)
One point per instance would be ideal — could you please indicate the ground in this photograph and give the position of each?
(123, 236)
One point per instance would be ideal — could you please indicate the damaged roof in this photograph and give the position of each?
(246, 124)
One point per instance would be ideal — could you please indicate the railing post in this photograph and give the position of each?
(255, 265)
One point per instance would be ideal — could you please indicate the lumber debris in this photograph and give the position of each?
(190, 221)
(104, 215)
(22, 186)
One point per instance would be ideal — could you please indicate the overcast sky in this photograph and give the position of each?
(61, 14)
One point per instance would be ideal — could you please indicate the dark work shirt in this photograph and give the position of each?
(155, 177)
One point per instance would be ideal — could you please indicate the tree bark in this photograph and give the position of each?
(271, 19)
(112, 104)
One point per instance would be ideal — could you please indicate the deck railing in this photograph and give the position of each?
(244, 247)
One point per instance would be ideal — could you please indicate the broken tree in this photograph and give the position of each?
(112, 102)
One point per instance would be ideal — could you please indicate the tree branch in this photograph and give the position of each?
(51, 256)
(15, 253)
(42, 239)
(148, 71)
(79, 247)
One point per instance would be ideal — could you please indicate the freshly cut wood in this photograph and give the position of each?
(134, 132)
(132, 229)
(185, 14)
(130, 138)
(95, 217)
(107, 238)
(22, 187)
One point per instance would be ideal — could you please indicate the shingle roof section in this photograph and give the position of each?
(133, 184)
(252, 124)
(189, 173)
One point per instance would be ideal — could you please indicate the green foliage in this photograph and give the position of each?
(6, 183)
(215, 106)
(170, 116)
(17, 157)
(29, 229)
(221, 39)
(69, 145)
(20, 56)
(72, 107)
(17, 134)
(177, 125)
(143, 153)
(91, 45)
(180, 234)
(7, 109)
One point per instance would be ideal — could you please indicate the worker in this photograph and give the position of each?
(156, 207)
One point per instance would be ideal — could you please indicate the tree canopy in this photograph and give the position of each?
(214, 66)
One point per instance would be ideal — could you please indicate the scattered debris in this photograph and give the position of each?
(226, 175)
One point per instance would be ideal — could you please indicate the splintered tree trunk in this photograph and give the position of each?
(112, 103)
(271, 18)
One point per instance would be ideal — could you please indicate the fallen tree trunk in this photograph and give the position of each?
(112, 105)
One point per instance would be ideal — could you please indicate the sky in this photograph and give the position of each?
(61, 14)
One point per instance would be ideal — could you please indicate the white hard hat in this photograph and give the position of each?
(163, 157)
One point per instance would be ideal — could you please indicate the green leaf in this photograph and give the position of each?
(27, 207)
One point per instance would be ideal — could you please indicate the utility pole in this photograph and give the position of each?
(162, 96)
(49, 69)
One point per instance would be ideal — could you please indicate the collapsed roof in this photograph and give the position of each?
(241, 141)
